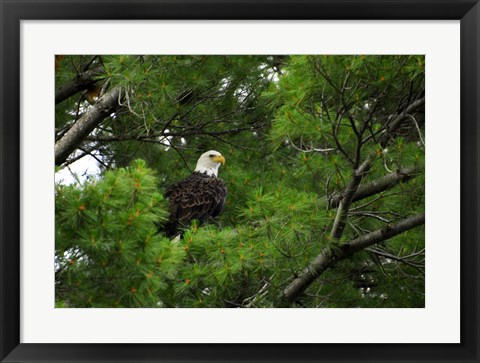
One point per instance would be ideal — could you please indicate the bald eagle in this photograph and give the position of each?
(199, 197)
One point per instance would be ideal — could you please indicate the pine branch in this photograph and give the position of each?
(380, 185)
(85, 124)
(154, 136)
(331, 256)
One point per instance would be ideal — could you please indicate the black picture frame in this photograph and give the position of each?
(12, 12)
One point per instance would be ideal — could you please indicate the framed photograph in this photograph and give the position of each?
(239, 181)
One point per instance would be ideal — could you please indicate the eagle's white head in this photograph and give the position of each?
(209, 163)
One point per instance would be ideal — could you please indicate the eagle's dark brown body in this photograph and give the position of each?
(199, 197)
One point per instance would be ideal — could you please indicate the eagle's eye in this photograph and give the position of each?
(211, 156)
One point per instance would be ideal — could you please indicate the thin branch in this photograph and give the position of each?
(190, 132)
(347, 199)
(418, 129)
(403, 259)
(94, 156)
(77, 157)
(372, 215)
(309, 149)
(397, 121)
(180, 154)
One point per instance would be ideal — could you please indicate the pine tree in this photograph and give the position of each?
(325, 176)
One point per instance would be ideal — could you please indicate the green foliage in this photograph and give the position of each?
(108, 251)
(293, 130)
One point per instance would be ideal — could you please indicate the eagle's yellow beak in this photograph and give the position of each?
(219, 159)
